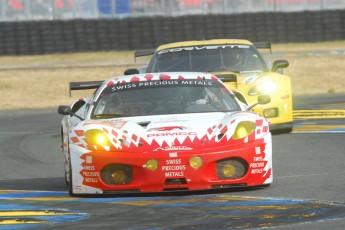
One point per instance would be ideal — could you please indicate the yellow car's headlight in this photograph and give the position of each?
(244, 129)
(263, 88)
(97, 137)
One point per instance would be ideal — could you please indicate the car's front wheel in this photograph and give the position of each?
(69, 175)
(70, 183)
(281, 128)
(66, 178)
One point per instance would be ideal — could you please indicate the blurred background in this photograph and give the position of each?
(80, 40)
(24, 10)
(29, 27)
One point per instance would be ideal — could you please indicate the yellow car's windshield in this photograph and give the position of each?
(212, 58)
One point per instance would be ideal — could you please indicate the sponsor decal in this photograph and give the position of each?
(160, 84)
(88, 159)
(172, 134)
(256, 159)
(172, 154)
(213, 47)
(89, 173)
(249, 80)
(258, 164)
(174, 168)
(174, 148)
(257, 150)
(168, 128)
(256, 171)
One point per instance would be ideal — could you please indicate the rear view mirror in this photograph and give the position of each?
(262, 100)
(131, 71)
(64, 110)
(279, 64)
(67, 110)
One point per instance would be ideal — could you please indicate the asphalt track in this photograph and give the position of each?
(307, 192)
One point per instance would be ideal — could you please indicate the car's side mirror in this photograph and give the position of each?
(131, 71)
(67, 110)
(279, 64)
(64, 110)
(262, 100)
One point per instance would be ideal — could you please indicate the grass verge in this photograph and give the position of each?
(30, 82)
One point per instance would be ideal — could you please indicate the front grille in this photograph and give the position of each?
(121, 191)
(117, 174)
(177, 181)
(229, 186)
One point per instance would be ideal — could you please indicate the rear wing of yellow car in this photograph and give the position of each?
(263, 45)
(147, 52)
(83, 85)
(141, 53)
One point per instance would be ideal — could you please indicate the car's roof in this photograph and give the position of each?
(205, 42)
(162, 76)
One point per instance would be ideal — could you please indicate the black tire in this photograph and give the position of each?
(70, 184)
(284, 131)
(63, 151)
(287, 128)
(66, 181)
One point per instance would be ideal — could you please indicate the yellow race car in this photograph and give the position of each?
(239, 64)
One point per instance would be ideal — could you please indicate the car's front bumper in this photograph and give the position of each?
(174, 171)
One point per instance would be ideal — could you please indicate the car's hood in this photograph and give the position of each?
(175, 132)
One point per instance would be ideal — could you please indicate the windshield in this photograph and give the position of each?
(215, 58)
(163, 97)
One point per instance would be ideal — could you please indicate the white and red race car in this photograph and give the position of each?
(157, 132)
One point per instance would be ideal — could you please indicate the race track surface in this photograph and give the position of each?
(307, 192)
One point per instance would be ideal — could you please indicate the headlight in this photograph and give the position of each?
(195, 162)
(244, 129)
(152, 164)
(97, 137)
(232, 168)
(263, 88)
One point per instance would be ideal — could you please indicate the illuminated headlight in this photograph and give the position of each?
(263, 88)
(152, 164)
(270, 113)
(231, 168)
(97, 137)
(244, 129)
(195, 162)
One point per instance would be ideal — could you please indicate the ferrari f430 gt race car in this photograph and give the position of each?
(163, 132)
(239, 62)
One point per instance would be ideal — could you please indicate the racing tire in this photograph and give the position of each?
(62, 148)
(287, 130)
(70, 184)
(284, 130)
(66, 181)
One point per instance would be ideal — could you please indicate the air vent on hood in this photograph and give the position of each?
(227, 77)
(144, 124)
